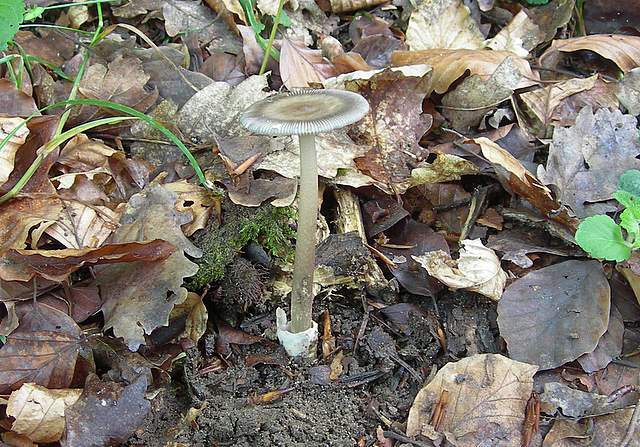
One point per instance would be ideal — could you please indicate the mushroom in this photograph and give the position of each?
(304, 112)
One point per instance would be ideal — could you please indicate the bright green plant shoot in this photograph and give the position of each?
(602, 237)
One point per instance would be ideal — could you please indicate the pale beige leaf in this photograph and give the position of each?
(195, 315)
(477, 269)
(443, 24)
(623, 50)
(84, 226)
(8, 152)
(194, 199)
(301, 66)
(483, 397)
(267, 7)
(520, 36)
(39, 412)
(628, 91)
(214, 112)
(235, 7)
(449, 65)
(465, 106)
(543, 102)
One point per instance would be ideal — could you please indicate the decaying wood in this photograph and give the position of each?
(354, 5)
(350, 219)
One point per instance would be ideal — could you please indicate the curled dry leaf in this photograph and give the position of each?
(474, 97)
(542, 103)
(22, 214)
(106, 413)
(473, 400)
(139, 296)
(84, 226)
(57, 265)
(623, 50)
(8, 152)
(520, 36)
(477, 269)
(523, 183)
(39, 412)
(194, 313)
(447, 66)
(443, 24)
(301, 66)
(564, 305)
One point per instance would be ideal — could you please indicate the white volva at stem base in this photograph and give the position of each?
(299, 344)
(304, 264)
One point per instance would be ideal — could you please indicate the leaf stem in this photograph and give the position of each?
(272, 37)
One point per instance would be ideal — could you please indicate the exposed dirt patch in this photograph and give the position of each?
(329, 402)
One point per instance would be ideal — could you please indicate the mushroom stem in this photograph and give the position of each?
(305, 261)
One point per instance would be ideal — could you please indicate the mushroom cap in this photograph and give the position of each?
(304, 112)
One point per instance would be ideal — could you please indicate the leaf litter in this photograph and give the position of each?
(457, 307)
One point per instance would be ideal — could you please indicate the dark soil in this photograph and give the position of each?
(372, 385)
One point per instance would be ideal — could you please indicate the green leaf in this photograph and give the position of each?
(602, 238)
(11, 12)
(629, 201)
(33, 13)
(630, 182)
(285, 20)
(538, 2)
(629, 221)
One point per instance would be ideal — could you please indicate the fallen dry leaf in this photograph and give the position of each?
(542, 103)
(586, 159)
(122, 81)
(623, 50)
(515, 245)
(609, 346)
(564, 305)
(474, 97)
(8, 152)
(301, 66)
(214, 111)
(520, 36)
(447, 66)
(106, 413)
(443, 24)
(138, 297)
(523, 183)
(628, 92)
(84, 226)
(57, 265)
(42, 350)
(477, 269)
(194, 199)
(394, 124)
(486, 397)
(39, 412)
(194, 313)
